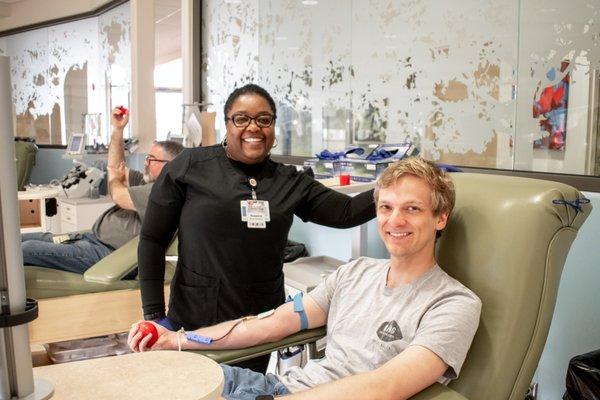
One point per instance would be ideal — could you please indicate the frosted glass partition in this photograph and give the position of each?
(63, 72)
(500, 84)
(559, 50)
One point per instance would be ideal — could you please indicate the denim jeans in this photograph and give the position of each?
(245, 384)
(82, 251)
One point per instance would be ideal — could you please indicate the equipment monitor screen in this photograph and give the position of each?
(76, 143)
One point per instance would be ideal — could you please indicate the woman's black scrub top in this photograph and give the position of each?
(226, 269)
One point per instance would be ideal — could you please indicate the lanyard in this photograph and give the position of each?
(255, 212)
(253, 184)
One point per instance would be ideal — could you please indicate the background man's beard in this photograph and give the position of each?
(147, 177)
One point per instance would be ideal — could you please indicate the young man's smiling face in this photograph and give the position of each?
(405, 220)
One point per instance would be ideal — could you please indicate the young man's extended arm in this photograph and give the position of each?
(403, 376)
(283, 322)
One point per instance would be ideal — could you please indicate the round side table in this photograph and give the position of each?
(149, 375)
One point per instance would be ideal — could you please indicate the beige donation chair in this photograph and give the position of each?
(106, 275)
(25, 155)
(507, 240)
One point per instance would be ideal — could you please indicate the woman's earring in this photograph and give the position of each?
(224, 141)
(275, 143)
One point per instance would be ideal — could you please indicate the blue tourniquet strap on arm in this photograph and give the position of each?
(299, 308)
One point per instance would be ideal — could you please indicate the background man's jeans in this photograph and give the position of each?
(82, 251)
(245, 384)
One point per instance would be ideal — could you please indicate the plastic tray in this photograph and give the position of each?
(85, 349)
(307, 272)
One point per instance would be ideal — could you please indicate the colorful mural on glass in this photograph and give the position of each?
(551, 110)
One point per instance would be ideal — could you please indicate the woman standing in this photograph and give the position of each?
(233, 208)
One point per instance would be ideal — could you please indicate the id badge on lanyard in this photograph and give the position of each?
(255, 212)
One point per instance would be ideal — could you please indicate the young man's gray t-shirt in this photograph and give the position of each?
(117, 226)
(369, 323)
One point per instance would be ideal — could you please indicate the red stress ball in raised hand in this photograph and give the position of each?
(147, 328)
(123, 110)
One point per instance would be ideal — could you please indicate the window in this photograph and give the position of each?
(167, 81)
(168, 70)
(508, 84)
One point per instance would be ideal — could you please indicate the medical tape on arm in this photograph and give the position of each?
(194, 337)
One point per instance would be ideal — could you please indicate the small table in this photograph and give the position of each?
(32, 204)
(360, 233)
(150, 375)
(80, 214)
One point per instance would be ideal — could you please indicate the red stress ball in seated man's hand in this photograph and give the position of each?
(123, 110)
(148, 328)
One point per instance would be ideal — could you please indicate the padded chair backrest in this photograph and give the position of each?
(508, 242)
(25, 154)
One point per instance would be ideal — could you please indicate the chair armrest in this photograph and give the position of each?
(437, 391)
(116, 265)
(233, 356)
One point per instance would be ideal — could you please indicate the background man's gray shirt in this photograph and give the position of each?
(369, 323)
(117, 226)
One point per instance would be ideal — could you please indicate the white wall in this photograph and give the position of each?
(575, 327)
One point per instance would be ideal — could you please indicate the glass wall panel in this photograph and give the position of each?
(64, 74)
(114, 73)
(500, 84)
(559, 53)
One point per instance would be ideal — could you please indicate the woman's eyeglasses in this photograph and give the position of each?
(243, 120)
(150, 158)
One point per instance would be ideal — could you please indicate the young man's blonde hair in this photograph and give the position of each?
(442, 187)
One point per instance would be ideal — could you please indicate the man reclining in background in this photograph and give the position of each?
(394, 327)
(129, 189)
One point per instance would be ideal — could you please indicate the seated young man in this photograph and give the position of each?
(394, 327)
(129, 190)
